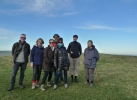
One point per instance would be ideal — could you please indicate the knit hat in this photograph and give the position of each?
(75, 36)
(90, 41)
(60, 39)
(56, 35)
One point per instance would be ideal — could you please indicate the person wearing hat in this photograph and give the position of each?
(20, 53)
(56, 38)
(91, 56)
(75, 50)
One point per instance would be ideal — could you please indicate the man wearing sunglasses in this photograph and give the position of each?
(20, 53)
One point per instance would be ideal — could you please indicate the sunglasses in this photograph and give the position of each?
(51, 42)
(23, 37)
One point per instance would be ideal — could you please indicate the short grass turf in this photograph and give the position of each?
(117, 77)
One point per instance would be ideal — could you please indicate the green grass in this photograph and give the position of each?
(117, 77)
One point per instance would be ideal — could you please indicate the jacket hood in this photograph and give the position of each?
(93, 47)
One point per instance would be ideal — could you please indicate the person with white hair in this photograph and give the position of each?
(20, 53)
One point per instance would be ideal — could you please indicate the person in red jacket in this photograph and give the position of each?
(56, 38)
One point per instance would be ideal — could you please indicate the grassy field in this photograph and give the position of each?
(117, 77)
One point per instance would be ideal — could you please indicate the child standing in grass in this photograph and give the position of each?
(91, 56)
(36, 59)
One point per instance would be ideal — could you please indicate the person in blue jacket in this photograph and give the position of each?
(36, 60)
(91, 56)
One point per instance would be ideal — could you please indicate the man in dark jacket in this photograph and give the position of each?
(75, 50)
(20, 53)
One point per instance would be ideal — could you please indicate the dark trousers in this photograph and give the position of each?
(47, 74)
(15, 69)
(58, 74)
(61, 75)
(36, 73)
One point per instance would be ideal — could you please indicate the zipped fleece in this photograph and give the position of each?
(76, 48)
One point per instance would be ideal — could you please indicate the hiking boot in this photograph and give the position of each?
(33, 86)
(86, 82)
(48, 84)
(72, 80)
(66, 85)
(55, 87)
(10, 89)
(76, 80)
(91, 85)
(42, 87)
(21, 86)
(37, 85)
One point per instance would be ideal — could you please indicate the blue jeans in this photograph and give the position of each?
(47, 74)
(58, 74)
(36, 72)
(61, 76)
(15, 69)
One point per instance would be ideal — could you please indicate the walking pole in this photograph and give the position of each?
(96, 76)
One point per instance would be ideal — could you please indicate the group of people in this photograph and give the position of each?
(54, 60)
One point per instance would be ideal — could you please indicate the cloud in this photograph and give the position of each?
(7, 34)
(50, 8)
(101, 27)
(71, 13)
(62, 15)
(94, 27)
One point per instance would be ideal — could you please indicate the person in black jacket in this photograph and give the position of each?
(61, 62)
(48, 64)
(56, 37)
(75, 50)
(20, 53)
